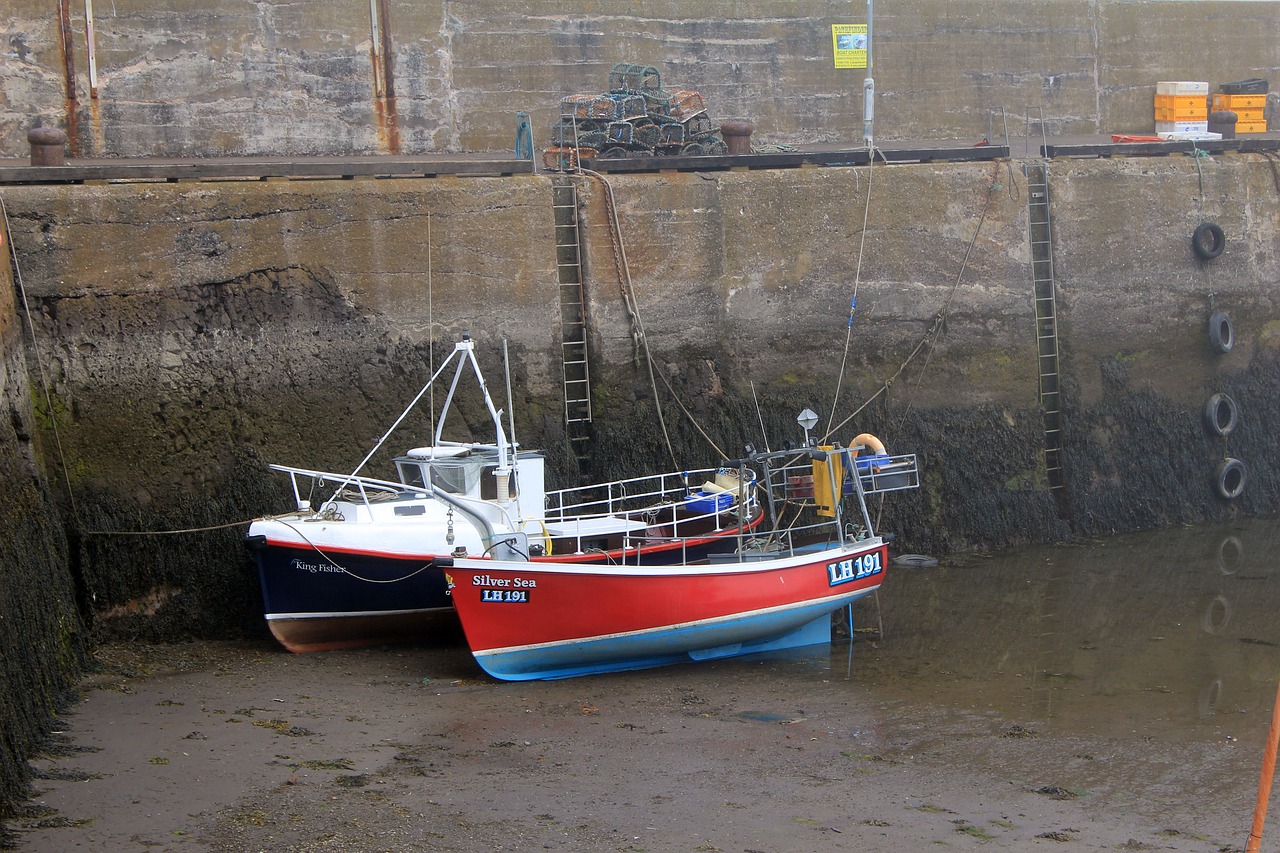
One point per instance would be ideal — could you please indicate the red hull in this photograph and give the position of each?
(534, 610)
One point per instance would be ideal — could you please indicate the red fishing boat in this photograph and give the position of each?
(776, 588)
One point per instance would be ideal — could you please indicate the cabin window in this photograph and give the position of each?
(411, 474)
(452, 479)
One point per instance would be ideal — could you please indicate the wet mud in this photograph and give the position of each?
(1112, 695)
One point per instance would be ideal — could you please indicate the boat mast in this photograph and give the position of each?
(467, 346)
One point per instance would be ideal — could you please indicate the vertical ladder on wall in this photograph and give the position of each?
(1040, 235)
(573, 314)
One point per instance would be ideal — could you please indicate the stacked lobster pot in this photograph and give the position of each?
(637, 117)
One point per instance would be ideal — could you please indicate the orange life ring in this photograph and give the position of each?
(869, 441)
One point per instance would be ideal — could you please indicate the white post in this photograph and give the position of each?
(868, 86)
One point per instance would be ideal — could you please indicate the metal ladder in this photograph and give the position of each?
(1040, 236)
(573, 313)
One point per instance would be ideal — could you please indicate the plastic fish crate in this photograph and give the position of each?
(1249, 116)
(1251, 127)
(1182, 87)
(1223, 101)
(705, 503)
(1181, 102)
(1182, 126)
(1252, 86)
(1198, 113)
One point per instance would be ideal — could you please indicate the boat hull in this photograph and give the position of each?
(538, 621)
(317, 600)
(324, 594)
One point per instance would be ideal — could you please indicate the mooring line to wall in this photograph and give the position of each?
(628, 298)
(931, 334)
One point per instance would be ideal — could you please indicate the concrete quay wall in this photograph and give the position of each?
(193, 330)
(227, 78)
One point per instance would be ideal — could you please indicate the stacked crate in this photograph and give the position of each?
(1248, 109)
(1182, 106)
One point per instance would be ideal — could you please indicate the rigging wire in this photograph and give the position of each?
(853, 300)
(931, 335)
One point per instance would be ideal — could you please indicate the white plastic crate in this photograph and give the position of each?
(1182, 127)
(1182, 87)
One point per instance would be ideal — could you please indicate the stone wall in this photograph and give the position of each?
(42, 636)
(297, 79)
(288, 321)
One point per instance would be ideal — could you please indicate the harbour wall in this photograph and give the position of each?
(223, 78)
(43, 636)
(185, 334)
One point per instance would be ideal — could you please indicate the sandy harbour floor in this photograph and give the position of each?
(243, 747)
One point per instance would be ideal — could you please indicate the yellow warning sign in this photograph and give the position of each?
(849, 41)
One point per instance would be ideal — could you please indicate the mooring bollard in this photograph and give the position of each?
(48, 146)
(737, 135)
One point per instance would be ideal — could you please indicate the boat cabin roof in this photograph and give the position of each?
(438, 452)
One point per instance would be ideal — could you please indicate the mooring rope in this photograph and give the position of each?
(935, 329)
(639, 338)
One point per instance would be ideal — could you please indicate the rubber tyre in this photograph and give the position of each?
(1222, 332)
(1208, 241)
(1221, 414)
(1230, 478)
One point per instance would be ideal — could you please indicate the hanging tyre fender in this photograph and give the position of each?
(1222, 332)
(1208, 241)
(1221, 414)
(1230, 478)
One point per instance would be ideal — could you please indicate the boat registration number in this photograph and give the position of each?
(855, 568)
(505, 596)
